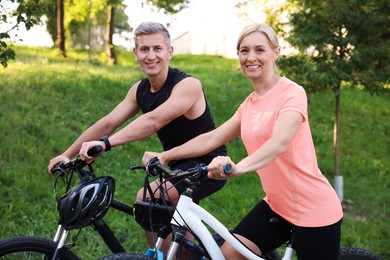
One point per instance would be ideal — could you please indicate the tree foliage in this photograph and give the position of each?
(78, 18)
(79, 15)
(341, 41)
(169, 6)
(27, 14)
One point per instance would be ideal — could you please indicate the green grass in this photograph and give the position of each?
(47, 101)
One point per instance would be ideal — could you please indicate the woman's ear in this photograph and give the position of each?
(276, 53)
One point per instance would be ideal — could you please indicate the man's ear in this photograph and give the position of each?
(170, 52)
(135, 54)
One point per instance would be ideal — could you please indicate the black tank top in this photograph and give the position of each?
(181, 129)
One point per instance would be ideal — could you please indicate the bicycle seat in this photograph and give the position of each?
(152, 216)
(278, 221)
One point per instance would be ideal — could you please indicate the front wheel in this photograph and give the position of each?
(357, 254)
(31, 248)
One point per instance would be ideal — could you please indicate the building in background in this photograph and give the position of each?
(210, 27)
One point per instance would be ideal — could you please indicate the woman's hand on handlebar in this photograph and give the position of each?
(217, 168)
(149, 155)
(86, 146)
(53, 162)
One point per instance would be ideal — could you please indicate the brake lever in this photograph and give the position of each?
(57, 168)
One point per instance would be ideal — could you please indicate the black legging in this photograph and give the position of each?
(319, 243)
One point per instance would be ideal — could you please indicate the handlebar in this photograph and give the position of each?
(61, 167)
(154, 168)
(66, 169)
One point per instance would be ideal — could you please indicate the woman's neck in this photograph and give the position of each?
(262, 85)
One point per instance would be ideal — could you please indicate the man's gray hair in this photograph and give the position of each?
(147, 28)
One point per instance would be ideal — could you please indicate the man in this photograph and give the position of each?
(173, 105)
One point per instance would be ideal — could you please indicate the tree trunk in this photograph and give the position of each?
(60, 43)
(89, 31)
(338, 178)
(336, 132)
(110, 50)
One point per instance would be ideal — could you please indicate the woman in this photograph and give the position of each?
(273, 124)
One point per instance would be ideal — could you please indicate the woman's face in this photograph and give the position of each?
(256, 56)
(152, 53)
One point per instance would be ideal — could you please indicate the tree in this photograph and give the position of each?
(109, 34)
(60, 39)
(339, 42)
(27, 13)
(169, 7)
(67, 19)
(110, 26)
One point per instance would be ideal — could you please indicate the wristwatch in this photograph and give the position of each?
(106, 143)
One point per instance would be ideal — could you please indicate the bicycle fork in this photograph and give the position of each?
(178, 236)
(156, 252)
(59, 238)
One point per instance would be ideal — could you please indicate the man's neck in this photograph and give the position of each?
(157, 81)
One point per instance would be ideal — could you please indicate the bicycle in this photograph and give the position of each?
(155, 215)
(27, 247)
(190, 217)
(96, 196)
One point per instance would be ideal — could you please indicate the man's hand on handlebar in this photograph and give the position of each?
(53, 162)
(86, 146)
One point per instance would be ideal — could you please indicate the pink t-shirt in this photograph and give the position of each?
(294, 185)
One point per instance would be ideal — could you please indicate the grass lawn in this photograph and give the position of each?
(47, 101)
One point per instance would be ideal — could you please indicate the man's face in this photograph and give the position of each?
(152, 53)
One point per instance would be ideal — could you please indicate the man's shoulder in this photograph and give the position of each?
(179, 73)
(181, 78)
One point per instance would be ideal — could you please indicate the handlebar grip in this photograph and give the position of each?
(95, 150)
(227, 168)
(56, 168)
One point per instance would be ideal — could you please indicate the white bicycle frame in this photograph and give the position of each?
(190, 215)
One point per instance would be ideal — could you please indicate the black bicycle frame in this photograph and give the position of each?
(106, 233)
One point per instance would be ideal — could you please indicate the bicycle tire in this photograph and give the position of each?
(126, 256)
(350, 253)
(30, 248)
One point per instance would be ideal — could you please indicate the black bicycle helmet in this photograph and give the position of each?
(86, 202)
